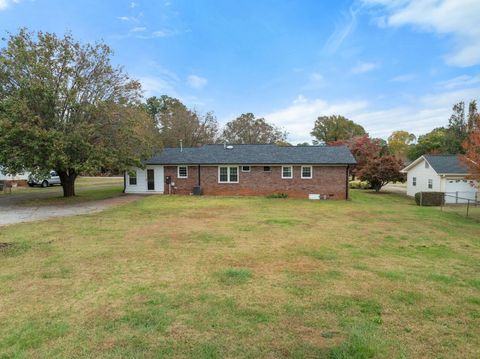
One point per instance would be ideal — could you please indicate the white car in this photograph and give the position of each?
(52, 179)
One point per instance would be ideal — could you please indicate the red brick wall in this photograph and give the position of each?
(327, 180)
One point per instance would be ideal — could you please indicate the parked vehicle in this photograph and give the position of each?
(50, 180)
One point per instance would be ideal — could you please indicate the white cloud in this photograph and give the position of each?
(139, 29)
(364, 67)
(342, 30)
(157, 86)
(133, 4)
(196, 82)
(419, 116)
(459, 81)
(6, 3)
(457, 18)
(298, 118)
(123, 18)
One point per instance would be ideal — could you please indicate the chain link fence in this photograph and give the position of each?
(464, 203)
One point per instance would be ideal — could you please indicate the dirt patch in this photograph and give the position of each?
(5, 245)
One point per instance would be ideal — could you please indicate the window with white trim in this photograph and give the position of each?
(287, 172)
(430, 183)
(228, 174)
(414, 181)
(245, 168)
(182, 171)
(267, 169)
(132, 178)
(307, 172)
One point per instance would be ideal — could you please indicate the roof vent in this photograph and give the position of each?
(229, 147)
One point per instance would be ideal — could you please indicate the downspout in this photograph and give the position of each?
(346, 183)
(198, 175)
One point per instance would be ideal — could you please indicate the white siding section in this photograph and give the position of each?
(141, 186)
(422, 175)
(18, 177)
(459, 190)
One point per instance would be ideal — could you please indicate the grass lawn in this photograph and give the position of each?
(86, 188)
(208, 277)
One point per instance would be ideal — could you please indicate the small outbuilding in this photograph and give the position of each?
(441, 173)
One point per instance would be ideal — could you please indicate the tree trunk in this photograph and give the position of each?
(68, 182)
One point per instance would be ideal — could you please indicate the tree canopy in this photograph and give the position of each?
(399, 142)
(334, 128)
(472, 148)
(64, 106)
(177, 123)
(246, 129)
(378, 171)
(430, 143)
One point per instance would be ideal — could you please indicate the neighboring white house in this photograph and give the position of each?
(441, 173)
(18, 177)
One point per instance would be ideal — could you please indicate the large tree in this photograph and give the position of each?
(63, 106)
(399, 142)
(430, 143)
(378, 171)
(363, 148)
(472, 149)
(178, 123)
(246, 129)
(334, 128)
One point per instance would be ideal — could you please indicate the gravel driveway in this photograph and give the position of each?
(13, 209)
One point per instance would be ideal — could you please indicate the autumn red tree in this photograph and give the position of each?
(363, 148)
(472, 150)
(380, 170)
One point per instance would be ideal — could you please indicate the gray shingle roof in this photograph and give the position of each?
(254, 154)
(443, 164)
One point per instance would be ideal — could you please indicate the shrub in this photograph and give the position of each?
(277, 195)
(430, 198)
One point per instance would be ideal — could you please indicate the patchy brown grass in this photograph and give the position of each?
(243, 277)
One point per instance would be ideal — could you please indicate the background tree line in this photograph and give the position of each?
(64, 106)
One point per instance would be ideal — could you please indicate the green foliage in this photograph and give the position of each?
(429, 198)
(246, 129)
(63, 106)
(400, 142)
(334, 128)
(176, 122)
(430, 143)
(277, 195)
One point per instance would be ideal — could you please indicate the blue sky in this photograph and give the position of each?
(388, 65)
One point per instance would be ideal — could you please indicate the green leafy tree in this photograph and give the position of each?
(176, 122)
(334, 128)
(63, 106)
(246, 129)
(399, 142)
(430, 143)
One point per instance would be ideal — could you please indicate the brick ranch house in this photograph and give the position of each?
(310, 171)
